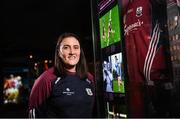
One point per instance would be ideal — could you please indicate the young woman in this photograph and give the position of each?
(65, 90)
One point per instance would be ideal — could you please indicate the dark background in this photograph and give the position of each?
(31, 27)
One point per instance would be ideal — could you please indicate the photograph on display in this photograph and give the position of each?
(113, 77)
(16, 85)
(110, 27)
(11, 88)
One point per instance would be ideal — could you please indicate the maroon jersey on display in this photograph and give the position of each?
(143, 46)
(144, 49)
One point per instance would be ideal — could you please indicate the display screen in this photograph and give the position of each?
(111, 46)
(113, 77)
(103, 4)
(16, 85)
(110, 27)
(11, 88)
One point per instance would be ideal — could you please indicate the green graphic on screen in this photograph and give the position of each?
(110, 27)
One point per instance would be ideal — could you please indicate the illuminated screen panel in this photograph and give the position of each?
(111, 45)
(11, 88)
(16, 85)
(110, 27)
(104, 4)
(113, 77)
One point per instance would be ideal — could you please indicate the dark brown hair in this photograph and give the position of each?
(81, 67)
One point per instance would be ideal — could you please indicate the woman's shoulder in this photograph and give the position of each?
(41, 88)
(48, 74)
(90, 76)
(46, 77)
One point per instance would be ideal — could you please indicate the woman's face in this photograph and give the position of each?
(69, 52)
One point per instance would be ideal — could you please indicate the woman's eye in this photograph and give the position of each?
(65, 47)
(76, 47)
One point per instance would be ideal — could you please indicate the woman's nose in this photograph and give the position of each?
(71, 51)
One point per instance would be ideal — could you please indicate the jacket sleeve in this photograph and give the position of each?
(38, 112)
(39, 94)
(91, 78)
